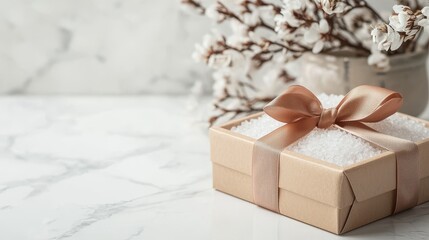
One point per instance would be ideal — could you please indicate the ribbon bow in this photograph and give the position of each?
(362, 104)
(302, 111)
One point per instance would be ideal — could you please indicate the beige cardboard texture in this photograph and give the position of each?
(333, 198)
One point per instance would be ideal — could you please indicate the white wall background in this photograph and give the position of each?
(100, 46)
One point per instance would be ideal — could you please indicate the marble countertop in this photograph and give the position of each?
(132, 168)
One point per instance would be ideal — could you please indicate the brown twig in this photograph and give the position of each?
(194, 4)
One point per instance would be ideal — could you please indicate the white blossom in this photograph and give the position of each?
(281, 26)
(407, 22)
(218, 61)
(315, 33)
(332, 6)
(239, 36)
(386, 37)
(424, 22)
(211, 12)
(293, 4)
(425, 11)
(266, 12)
(238, 1)
(287, 17)
(228, 80)
(200, 54)
(211, 43)
(379, 60)
(399, 21)
(219, 84)
(251, 18)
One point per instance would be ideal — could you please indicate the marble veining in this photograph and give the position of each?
(132, 168)
(98, 47)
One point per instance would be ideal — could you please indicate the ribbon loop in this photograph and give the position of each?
(294, 104)
(368, 104)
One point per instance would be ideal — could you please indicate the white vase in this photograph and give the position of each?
(339, 74)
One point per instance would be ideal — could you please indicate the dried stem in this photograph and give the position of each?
(196, 5)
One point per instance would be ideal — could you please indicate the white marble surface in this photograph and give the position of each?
(98, 46)
(132, 168)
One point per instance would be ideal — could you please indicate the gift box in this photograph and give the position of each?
(314, 191)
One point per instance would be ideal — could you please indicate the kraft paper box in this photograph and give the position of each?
(334, 198)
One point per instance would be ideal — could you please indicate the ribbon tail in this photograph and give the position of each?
(407, 162)
(266, 160)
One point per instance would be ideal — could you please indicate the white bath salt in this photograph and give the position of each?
(329, 101)
(257, 127)
(402, 127)
(334, 145)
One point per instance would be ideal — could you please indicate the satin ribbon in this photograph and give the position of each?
(302, 111)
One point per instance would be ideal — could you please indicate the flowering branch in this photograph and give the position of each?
(251, 63)
(404, 26)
